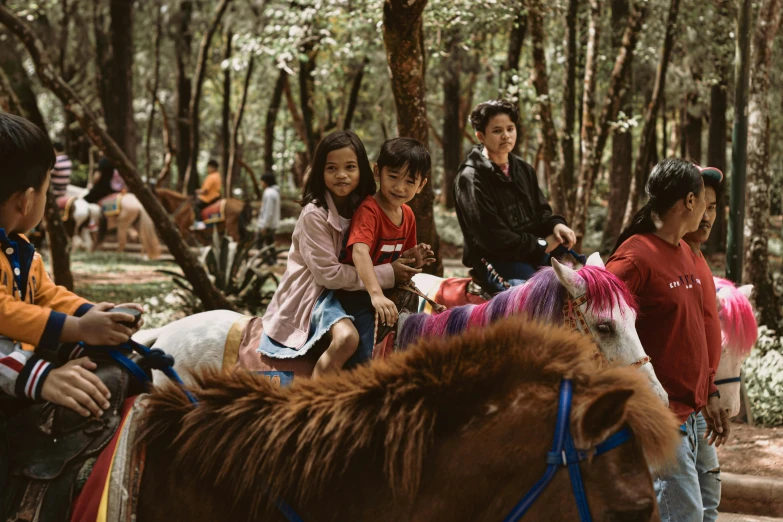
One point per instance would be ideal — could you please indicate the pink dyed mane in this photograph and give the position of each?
(738, 324)
(541, 298)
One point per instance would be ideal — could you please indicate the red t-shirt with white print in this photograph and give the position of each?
(370, 225)
(671, 316)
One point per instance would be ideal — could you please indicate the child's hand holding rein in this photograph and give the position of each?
(385, 308)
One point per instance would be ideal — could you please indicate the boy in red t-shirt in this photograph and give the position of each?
(381, 229)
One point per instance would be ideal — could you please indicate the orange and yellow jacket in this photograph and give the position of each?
(32, 314)
(211, 188)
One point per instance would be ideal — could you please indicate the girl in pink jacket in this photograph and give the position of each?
(304, 308)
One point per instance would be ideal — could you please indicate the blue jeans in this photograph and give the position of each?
(682, 496)
(359, 305)
(708, 467)
(515, 273)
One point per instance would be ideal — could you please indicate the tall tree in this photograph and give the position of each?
(452, 130)
(225, 127)
(553, 154)
(308, 53)
(622, 146)
(759, 183)
(693, 126)
(183, 41)
(598, 133)
(404, 41)
(353, 97)
(271, 119)
(153, 88)
(516, 38)
(191, 176)
(569, 98)
(118, 102)
(194, 272)
(646, 143)
(233, 164)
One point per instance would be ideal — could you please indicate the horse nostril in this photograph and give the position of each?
(642, 512)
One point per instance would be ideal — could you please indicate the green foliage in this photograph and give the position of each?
(241, 277)
(763, 372)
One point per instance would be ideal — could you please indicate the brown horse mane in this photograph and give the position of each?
(247, 438)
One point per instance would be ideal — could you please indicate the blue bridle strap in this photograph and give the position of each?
(154, 357)
(565, 454)
(727, 381)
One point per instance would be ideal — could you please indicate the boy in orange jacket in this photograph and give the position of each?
(33, 310)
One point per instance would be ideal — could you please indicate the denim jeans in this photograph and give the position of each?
(708, 467)
(515, 273)
(359, 305)
(679, 490)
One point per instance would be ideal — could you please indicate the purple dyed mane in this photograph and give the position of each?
(738, 324)
(541, 298)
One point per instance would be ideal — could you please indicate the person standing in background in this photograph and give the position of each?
(61, 173)
(269, 217)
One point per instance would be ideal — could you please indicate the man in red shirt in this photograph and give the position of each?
(707, 464)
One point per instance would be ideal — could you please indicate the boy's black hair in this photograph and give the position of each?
(709, 181)
(58, 146)
(269, 179)
(26, 156)
(213, 163)
(399, 153)
(314, 190)
(485, 111)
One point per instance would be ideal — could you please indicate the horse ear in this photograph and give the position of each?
(604, 415)
(595, 260)
(746, 290)
(568, 277)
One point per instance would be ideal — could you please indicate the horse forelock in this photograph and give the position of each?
(542, 297)
(739, 330)
(258, 443)
(605, 291)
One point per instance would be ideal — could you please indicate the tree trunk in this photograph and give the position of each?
(716, 157)
(593, 151)
(18, 88)
(553, 156)
(569, 102)
(182, 50)
(233, 152)
(154, 89)
(648, 129)
(622, 146)
(168, 147)
(353, 98)
(307, 92)
(404, 41)
(191, 175)
(226, 141)
(271, 119)
(516, 39)
(451, 140)
(194, 272)
(759, 183)
(693, 128)
(118, 113)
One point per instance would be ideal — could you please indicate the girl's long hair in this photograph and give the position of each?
(314, 190)
(670, 181)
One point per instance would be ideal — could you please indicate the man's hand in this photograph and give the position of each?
(101, 328)
(564, 235)
(551, 243)
(134, 306)
(718, 425)
(403, 272)
(385, 308)
(76, 387)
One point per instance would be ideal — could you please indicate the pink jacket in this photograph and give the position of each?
(313, 266)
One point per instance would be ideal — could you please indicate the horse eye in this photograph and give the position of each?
(604, 328)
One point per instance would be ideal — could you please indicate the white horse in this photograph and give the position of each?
(131, 212)
(200, 340)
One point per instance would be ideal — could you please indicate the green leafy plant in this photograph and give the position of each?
(243, 278)
(764, 378)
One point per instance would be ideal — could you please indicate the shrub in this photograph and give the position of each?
(763, 372)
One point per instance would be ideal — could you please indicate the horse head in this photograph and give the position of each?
(739, 334)
(603, 309)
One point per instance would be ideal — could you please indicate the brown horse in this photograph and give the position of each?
(456, 429)
(237, 214)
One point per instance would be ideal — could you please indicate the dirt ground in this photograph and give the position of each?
(753, 450)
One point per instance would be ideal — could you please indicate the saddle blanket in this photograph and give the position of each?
(214, 213)
(65, 204)
(111, 492)
(111, 205)
(454, 292)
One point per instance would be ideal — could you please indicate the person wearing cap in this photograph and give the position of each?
(269, 217)
(505, 218)
(707, 465)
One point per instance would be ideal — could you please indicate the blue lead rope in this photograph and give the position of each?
(155, 357)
